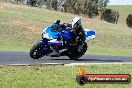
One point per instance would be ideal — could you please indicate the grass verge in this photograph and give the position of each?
(21, 27)
(44, 76)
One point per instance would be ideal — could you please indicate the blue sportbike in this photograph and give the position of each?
(58, 42)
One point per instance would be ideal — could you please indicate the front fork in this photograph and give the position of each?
(45, 49)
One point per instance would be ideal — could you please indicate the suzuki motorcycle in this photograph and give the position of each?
(57, 42)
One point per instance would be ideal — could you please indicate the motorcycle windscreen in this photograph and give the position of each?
(52, 33)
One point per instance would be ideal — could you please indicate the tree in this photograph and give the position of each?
(70, 6)
(87, 7)
(102, 4)
(77, 7)
(54, 4)
(129, 20)
(110, 16)
(90, 8)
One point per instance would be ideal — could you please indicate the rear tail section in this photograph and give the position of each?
(89, 34)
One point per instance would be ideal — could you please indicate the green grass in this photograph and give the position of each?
(112, 52)
(3, 0)
(45, 76)
(21, 27)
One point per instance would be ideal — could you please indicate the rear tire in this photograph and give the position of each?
(85, 46)
(75, 55)
(35, 51)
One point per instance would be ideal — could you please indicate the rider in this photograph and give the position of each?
(78, 34)
(76, 28)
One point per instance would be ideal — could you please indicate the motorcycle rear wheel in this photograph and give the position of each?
(75, 55)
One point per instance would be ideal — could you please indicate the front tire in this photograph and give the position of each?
(35, 51)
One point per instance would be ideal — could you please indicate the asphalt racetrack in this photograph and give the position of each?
(21, 58)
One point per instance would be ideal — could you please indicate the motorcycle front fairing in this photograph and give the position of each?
(53, 35)
(49, 34)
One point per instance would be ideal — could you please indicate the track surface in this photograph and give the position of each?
(8, 58)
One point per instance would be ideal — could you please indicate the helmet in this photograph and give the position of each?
(76, 22)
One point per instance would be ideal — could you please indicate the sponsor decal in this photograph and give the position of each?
(83, 78)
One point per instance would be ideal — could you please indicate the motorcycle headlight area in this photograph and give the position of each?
(45, 35)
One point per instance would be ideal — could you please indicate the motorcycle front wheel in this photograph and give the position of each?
(35, 51)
